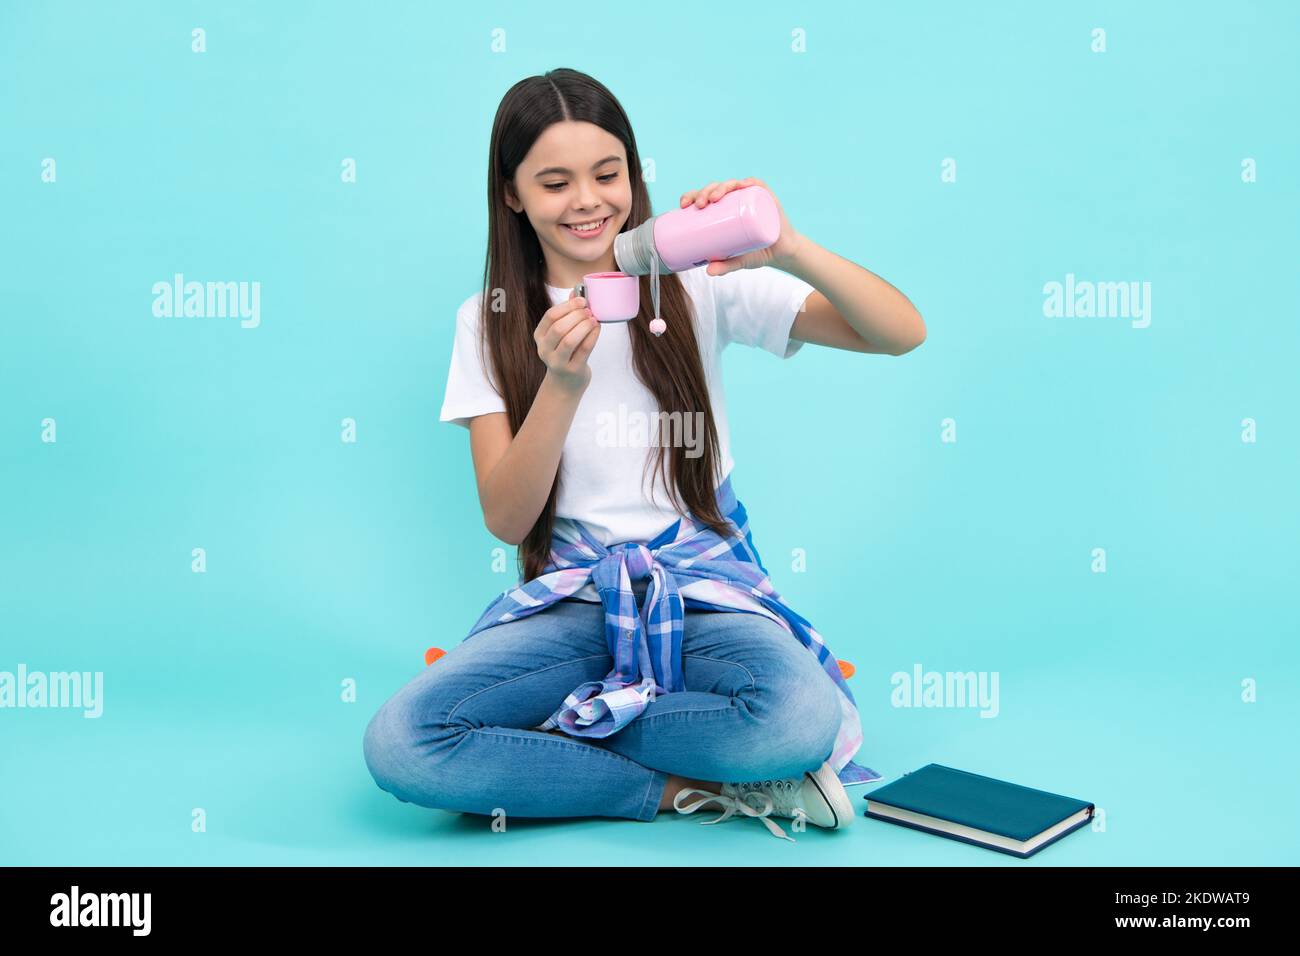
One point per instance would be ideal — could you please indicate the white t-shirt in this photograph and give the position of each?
(605, 453)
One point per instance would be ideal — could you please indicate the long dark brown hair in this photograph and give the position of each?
(669, 366)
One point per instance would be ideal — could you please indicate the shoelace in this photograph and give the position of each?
(732, 805)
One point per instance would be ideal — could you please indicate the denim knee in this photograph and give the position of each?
(804, 711)
(401, 753)
(383, 746)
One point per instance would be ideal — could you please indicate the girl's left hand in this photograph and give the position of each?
(780, 254)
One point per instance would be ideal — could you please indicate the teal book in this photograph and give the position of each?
(980, 810)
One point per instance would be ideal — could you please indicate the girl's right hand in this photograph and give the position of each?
(565, 337)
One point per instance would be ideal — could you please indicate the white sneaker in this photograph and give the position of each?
(818, 795)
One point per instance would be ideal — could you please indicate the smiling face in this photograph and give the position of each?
(575, 174)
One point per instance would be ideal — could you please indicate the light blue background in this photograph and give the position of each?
(329, 561)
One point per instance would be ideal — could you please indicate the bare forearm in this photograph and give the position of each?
(877, 311)
(516, 490)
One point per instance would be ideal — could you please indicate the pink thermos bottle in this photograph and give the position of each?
(743, 220)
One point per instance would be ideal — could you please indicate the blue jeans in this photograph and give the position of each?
(757, 706)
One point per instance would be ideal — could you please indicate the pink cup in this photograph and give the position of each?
(611, 296)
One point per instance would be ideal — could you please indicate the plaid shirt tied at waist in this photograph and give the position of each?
(688, 565)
